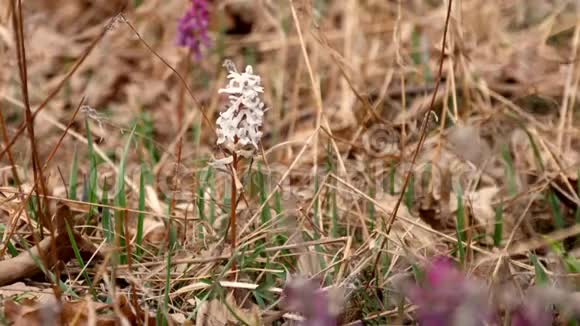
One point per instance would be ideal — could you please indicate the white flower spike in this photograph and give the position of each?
(239, 125)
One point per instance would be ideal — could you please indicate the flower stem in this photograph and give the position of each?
(233, 206)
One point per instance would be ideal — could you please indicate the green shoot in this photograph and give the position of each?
(498, 226)
(540, 273)
(80, 260)
(410, 192)
(73, 177)
(106, 215)
(509, 171)
(140, 215)
(121, 201)
(92, 186)
(554, 203)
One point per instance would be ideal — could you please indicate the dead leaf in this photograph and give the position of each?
(21, 289)
(216, 312)
(479, 203)
(30, 313)
(467, 144)
(402, 229)
(81, 312)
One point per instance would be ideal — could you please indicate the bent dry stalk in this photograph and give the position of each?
(238, 127)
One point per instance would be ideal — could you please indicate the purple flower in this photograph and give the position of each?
(448, 298)
(305, 296)
(193, 26)
(531, 312)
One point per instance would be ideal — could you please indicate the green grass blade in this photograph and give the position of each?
(509, 171)
(554, 203)
(371, 209)
(140, 216)
(9, 245)
(460, 226)
(65, 288)
(167, 289)
(108, 232)
(92, 187)
(536, 151)
(577, 214)
(315, 214)
(147, 129)
(121, 201)
(80, 260)
(201, 199)
(196, 132)
(498, 226)
(212, 205)
(280, 238)
(278, 203)
(420, 56)
(73, 177)
(540, 273)
(334, 231)
(31, 208)
(265, 215)
(392, 172)
(410, 192)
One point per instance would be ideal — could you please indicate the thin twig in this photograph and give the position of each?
(181, 79)
(58, 87)
(422, 133)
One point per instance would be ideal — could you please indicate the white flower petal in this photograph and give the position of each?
(240, 123)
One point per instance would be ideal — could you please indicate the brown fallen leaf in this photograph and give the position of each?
(25, 291)
(84, 312)
(49, 312)
(135, 315)
(29, 313)
(466, 143)
(406, 231)
(80, 312)
(216, 312)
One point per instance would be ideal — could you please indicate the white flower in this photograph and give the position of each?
(240, 123)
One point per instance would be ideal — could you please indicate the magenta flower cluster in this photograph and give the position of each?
(447, 297)
(305, 296)
(444, 296)
(192, 29)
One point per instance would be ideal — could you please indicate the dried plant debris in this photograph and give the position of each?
(82, 312)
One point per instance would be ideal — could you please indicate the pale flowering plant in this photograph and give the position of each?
(239, 127)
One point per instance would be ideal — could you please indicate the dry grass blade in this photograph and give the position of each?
(422, 135)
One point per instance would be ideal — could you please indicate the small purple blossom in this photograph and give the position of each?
(533, 309)
(305, 296)
(192, 29)
(531, 315)
(447, 297)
